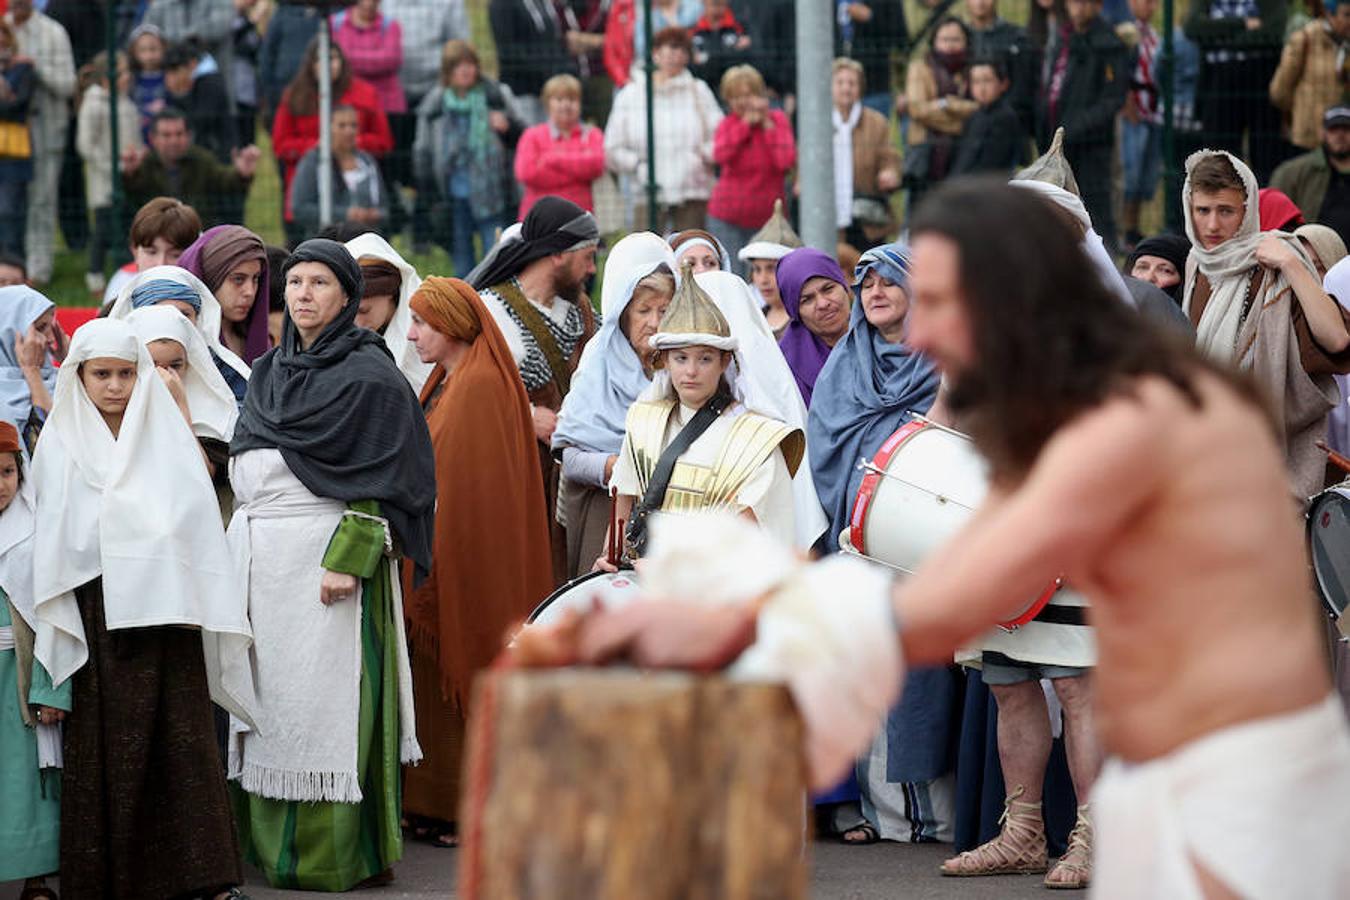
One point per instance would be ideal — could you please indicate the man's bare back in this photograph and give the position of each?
(1179, 526)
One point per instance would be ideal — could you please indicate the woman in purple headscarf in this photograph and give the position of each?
(817, 301)
(232, 262)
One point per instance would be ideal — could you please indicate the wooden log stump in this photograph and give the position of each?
(615, 785)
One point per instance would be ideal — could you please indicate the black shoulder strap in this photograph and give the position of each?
(655, 494)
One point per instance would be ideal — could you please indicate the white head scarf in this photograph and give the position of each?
(1093, 245)
(610, 376)
(208, 317)
(210, 399)
(1227, 267)
(761, 380)
(396, 334)
(139, 510)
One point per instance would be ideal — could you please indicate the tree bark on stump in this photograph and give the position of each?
(615, 785)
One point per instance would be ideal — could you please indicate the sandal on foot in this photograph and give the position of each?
(1019, 847)
(866, 835)
(1073, 870)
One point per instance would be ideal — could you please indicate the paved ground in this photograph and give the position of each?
(880, 872)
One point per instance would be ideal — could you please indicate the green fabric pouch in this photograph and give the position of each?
(359, 541)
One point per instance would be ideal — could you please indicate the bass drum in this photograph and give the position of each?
(920, 488)
(1329, 547)
(612, 589)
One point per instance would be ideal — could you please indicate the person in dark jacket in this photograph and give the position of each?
(196, 85)
(530, 50)
(721, 40)
(994, 38)
(868, 32)
(175, 167)
(993, 140)
(1240, 43)
(1085, 76)
(288, 34)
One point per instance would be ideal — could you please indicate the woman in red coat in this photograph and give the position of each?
(564, 155)
(295, 130)
(754, 147)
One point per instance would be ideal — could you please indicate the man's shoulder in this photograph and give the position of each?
(1300, 166)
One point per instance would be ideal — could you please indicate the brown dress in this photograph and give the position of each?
(144, 808)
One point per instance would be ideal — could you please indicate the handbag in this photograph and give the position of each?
(15, 141)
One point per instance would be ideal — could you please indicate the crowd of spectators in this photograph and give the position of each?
(449, 150)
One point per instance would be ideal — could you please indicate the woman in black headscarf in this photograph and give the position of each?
(1161, 261)
(334, 478)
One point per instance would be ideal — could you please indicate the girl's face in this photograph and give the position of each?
(345, 131)
(238, 291)
(695, 372)
(641, 318)
(148, 51)
(169, 354)
(109, 382)
(43, 325)
(375, 312)
(9, 479)
(703, 258)
(949, 39)
(334, 67)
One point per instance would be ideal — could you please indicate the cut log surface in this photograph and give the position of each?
(616, 785)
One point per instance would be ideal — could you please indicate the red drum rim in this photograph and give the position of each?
(867, 490)
(872, 478)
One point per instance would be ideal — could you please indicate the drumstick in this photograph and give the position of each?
(618, 543)
(611, 552)
(1337, 460)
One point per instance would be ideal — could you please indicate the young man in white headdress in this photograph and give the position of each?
(1257, 304)
(767, 246)
(691, 442)
(132, 582)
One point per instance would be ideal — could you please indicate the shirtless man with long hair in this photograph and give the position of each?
(1152, 480)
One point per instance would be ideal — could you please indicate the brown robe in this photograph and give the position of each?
(144, 808)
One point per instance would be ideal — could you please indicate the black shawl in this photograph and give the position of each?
(343, 416)
(553, 225)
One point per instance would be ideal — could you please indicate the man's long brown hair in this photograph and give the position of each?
(1051, 339)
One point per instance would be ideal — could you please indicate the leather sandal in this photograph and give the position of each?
(1073, 870)
(1018, 849)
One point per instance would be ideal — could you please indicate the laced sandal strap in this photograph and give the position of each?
(1018, 847)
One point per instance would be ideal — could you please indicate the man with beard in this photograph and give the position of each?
(1113, 465)
(534, 286)
(1319, 180)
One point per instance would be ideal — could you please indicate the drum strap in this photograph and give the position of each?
(655, 495)
(1062, 615)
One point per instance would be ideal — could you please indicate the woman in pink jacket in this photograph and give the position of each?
(373, 44)
(564, 155)
(755, 149)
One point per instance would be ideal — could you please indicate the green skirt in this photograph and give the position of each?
(334, 846)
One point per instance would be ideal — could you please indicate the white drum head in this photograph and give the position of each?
(612, 589)
(1329, 545)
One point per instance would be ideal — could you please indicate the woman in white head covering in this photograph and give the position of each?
(693, 440)
(131, 580)
(766, 386)
(616, 366)
(176, 346)
(171, 285)
(384, 311)
(26, 372)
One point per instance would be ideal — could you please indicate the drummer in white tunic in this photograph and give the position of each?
(694, 439)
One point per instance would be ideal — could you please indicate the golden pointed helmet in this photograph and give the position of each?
(692, 319)
(1053, 168)
(774, 241)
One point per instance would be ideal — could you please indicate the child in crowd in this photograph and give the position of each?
(93, 140)
(993, 140)
(30, 708)
(161, 230)
(147, 47)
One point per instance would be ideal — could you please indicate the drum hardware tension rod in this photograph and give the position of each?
(867, 465)
(920, 417)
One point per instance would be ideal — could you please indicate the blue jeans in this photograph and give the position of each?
(1141, 159)
(464, 227)
(882, 101)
